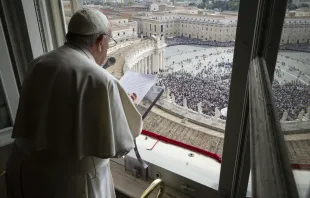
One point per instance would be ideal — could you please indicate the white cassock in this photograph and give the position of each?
(72, 117)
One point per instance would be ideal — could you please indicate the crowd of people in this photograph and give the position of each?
(279, 72)
(210, 85)
(187, 41)
(303, 47)
(202, 58)
(292, 97)
(181, 40)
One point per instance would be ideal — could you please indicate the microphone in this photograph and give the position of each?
(111, 61)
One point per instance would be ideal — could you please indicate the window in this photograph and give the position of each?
(8, 83)
(290, 86)
(5, 120)
(206, 114)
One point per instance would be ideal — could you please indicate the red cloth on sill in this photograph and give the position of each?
(183, 145)
(215, 156)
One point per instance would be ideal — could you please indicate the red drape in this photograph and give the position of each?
(214, 156)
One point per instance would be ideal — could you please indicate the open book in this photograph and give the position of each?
(138, 83)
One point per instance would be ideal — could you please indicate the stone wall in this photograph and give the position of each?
(297, 126)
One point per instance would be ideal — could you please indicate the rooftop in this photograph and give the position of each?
(210, 140)
(191, 18)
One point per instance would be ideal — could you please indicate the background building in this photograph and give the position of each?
(296, 30)
(214, 28)
(123, 29)
(220, 28)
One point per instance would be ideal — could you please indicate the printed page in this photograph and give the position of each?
(138, 83)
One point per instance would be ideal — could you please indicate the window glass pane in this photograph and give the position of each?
(195, 68)
(5, 120)
(292, 92)
(67, 10)
(193, 61)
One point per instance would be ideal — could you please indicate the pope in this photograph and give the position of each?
(73, 116)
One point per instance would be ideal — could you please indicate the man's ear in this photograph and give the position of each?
(100, 41)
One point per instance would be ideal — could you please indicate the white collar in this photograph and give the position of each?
(82, 49)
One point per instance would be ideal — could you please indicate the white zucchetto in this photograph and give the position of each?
(88, 21)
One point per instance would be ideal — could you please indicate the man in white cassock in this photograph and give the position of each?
(72, 117)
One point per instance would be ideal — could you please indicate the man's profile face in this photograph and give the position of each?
(102, 46)
(109, 37)
(106, 41)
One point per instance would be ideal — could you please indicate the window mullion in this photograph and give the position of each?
(272, 175)
(22, 34)
(271, 28)
(233, 171)
(56, 18)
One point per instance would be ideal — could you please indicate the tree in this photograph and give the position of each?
(131, 3)
(304, 5)
(223, 6)
(233, 6)
(98, 3)
(292, 6)
(201, 5)
(108, 4)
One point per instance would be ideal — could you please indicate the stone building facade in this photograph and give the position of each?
(219, 28)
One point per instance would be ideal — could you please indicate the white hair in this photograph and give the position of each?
(87, 40)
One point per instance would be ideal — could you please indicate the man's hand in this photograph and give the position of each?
(134, 98)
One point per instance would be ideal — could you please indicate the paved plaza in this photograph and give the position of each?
(176, 54)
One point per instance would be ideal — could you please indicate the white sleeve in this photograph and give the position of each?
(133, 116)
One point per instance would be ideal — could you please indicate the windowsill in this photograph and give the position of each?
(5, 136)
(133, 187)
(198, 168)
